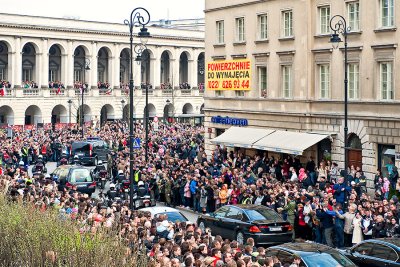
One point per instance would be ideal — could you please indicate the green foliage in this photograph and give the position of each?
(29, 237)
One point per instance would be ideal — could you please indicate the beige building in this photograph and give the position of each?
(296, 81)
(47, 51)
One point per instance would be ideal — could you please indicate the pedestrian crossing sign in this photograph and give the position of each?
(136, 143)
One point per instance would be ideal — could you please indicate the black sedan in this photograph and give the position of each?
(309, 255)
(240, 222)
(376, 252)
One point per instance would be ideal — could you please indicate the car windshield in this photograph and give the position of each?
(263, 214)
(80, 176)
(331, 259)
(174, 216)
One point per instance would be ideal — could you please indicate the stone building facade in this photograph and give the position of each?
(45, 61)
(297, 76)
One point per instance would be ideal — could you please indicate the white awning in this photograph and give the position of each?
(241, 136)
(288, 142)
(390, 152)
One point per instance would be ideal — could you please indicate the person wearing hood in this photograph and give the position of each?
(223, 195)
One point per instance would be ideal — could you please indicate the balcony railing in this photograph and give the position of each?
(31, 92)
(57, 92)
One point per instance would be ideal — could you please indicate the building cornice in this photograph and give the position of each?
(87, 31)
(234, 6)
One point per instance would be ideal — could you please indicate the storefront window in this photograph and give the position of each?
(386, 155)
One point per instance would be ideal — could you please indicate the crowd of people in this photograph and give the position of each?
(29, 85)
(103, 85)
(5, 84)
(323, 203)
(56, 85)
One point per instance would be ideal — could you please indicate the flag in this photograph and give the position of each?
(2, 91)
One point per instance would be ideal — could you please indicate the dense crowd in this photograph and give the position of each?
(324, 205)
(5, 84)
(56, 85)
(29, 84)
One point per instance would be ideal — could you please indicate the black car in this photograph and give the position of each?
(67, 176)
(240, 222)
(375, 252)
(309, 255)
(89, 152)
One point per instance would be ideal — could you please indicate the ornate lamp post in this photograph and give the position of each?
(139, 17)
(338, 25)
(87, 67)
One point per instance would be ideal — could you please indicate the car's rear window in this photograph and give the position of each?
(80, 176)
(263, 214)
(174, 217)
(80, 146)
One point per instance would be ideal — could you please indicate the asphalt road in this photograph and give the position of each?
(51, 166)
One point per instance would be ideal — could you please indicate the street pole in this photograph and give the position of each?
(338, 25)
(136, 18)
(146, 154)
(69, 112)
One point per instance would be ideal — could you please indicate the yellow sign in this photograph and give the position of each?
(228, 75)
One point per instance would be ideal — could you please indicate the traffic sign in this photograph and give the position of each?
(136, 143)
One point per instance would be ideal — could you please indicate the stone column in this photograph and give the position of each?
(17, 63)
(69, 65)
(92, 78)
(156, 62)
(116, 67)
(44, 81)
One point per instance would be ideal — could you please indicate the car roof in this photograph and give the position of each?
(302, 247)
(157, 210)
(248, 206)
(388, 241)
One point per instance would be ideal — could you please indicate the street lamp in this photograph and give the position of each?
(122, 107)
(69, 112)
(87, 67)
(338, 25)
(139, 17)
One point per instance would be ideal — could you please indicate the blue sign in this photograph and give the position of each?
(229, 121)
(136, 143)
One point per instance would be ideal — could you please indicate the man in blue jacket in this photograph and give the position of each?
(342, 190)
(327, 223)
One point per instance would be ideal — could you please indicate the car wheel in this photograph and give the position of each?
(202, 226)
(240, 237)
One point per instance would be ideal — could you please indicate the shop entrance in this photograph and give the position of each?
(354, 152)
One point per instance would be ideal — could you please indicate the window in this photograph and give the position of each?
(239, 22)
(386, 78)
(239, 93)
(262, 27)
(287, 81)
(324, 19)
(287, 23)
(220, 32)
(353, 71)
(219, 93)
(77, 76)
(353, 11)
(3, 75)
(52, 75)
(384, 252)
(324, 81)
(262, 80)
(387, 13)
(27, 75)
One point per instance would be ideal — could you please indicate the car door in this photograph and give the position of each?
(233, 222)
(214, 221)
(360, 254)
(383, 255)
